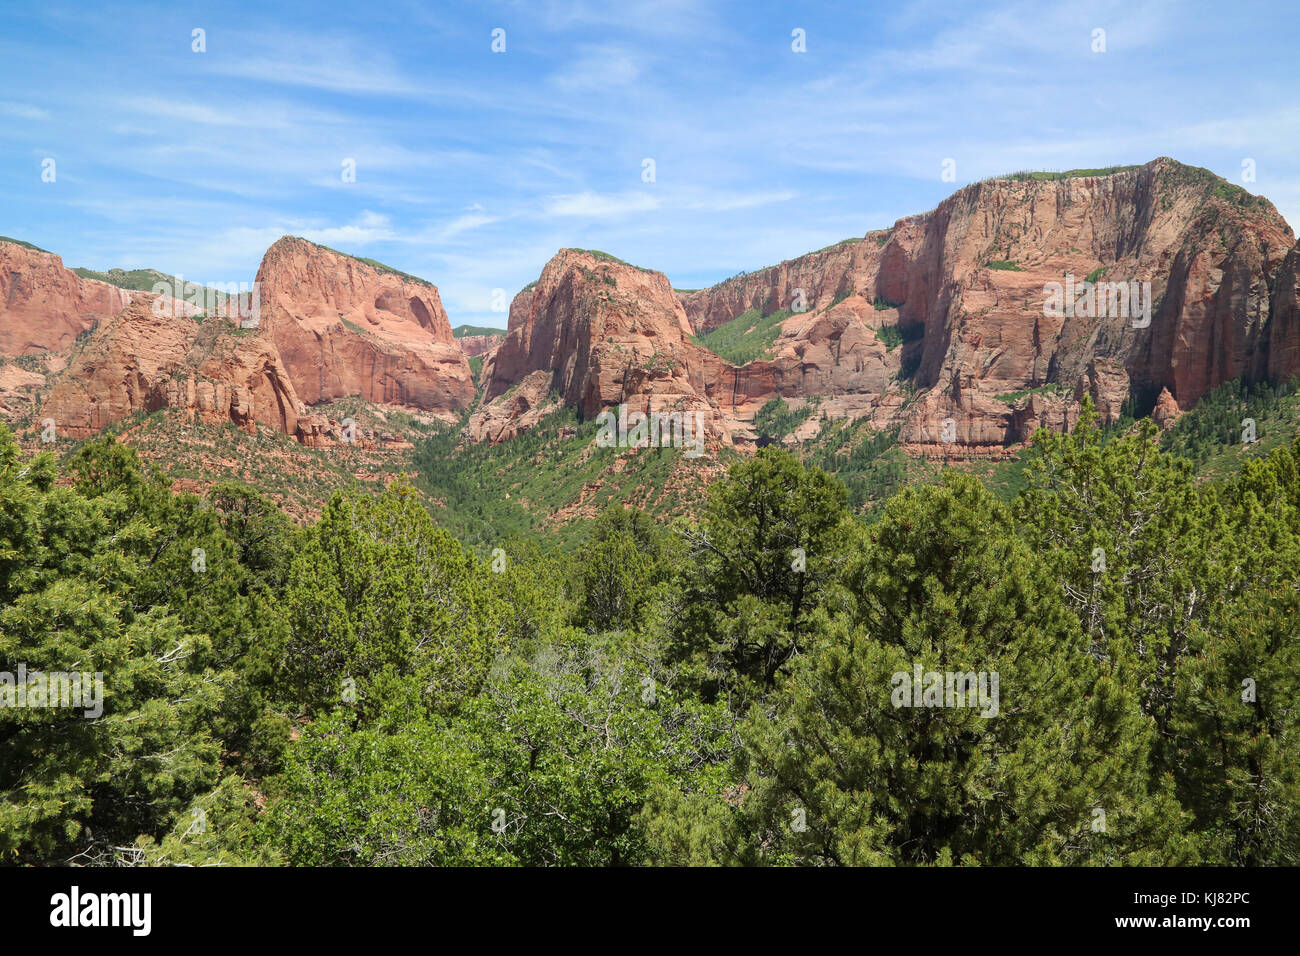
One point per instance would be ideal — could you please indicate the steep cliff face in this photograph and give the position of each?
(330, 327)
(1284, 325)
(20, 389)
(836, 351)
(605, 333)
(970, 281)
(343, 328)
(820, 277)
(141, 361)
(975, 271)
(965, 328)
(44, 306)
(473, 345)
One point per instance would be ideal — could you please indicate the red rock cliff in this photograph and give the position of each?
(44, 306)
(142, 361)
(346, 328)
(473, 345)
(970, 281)
(604, 333)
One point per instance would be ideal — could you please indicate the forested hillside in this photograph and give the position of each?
(728, 688)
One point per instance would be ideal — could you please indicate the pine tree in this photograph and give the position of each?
(380, 603)
(766, 555)
(74, 561)
(843, 770)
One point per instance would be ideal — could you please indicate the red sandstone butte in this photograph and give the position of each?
(344, 328)
(603, 333)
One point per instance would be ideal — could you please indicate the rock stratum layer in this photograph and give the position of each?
(937, 326)
(597, 332)
(139, 361)
(344, 327)
(43, 306)
(473, 345)
(329, 327)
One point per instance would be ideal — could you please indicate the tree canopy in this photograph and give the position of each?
(1103, 671)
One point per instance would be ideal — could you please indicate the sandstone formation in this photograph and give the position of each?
(602, 333)
(951, 327)
(329, 327)
(821, 276)
(970, 281)
(141, 360)
(518, 410)
(344, 328)
(473, 345)
(1166, 412)
(1284, 325)
(43, 306)
(19, 389)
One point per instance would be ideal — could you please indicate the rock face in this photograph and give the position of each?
(1284, 326)
(603, 333)
(43, 306)
(964, 329)
(997, 313)
(330, 327)
(345, 328)
(473, 345)
(19, 389)
(141, 361)
(517, 411)
(968, 284)
(1166, 412)
(820, 276)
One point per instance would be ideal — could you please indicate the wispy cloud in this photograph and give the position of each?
(600, 68)
(461, 224)
(23, 111)
(591, 205)
(369, 228)
(317, 61)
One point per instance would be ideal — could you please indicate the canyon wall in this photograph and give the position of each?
(43, 306)
(935, 327)
(344, 327)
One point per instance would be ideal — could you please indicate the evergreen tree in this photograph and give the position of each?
(381, 604)
(1140, 552)
(75, 566)
(767, 553)
(620, 571)
(844, 769)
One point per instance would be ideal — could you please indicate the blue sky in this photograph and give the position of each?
(474, 167)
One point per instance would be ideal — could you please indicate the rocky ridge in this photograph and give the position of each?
(935, 327)
(344, 327)
(945, 325)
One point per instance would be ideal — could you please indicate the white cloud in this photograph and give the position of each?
(313, 61)
(23, 111)
(464, 223)
(280, 115)
(591, 205)
(598, 68)
(370, 227)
